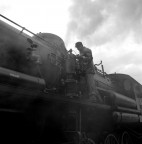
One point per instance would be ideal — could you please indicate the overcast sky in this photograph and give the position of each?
(111, 28)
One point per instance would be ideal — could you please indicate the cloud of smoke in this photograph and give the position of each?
(102, 21)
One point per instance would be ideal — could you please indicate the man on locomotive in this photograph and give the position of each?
(86, 56)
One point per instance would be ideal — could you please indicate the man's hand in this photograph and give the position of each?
(83, 57)
(80, 57)
(77, 56)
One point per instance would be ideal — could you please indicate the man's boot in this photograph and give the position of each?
(93, 98)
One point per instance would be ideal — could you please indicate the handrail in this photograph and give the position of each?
(23, 28)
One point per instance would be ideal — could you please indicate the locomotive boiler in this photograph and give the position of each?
(44, 94)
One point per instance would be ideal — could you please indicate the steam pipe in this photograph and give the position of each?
(125, 117)
(128, 110)
(103, 70)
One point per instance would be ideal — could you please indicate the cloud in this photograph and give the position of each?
(123, 58)
(102, 21)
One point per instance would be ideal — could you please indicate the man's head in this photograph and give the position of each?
(79, 45)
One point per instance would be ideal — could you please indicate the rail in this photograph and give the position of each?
(23, 28)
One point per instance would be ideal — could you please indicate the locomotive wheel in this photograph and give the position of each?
(111, 139)
(126, 139)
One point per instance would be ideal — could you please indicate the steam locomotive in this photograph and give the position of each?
(44, 95)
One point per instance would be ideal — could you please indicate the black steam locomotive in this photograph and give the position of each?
(44, 95)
